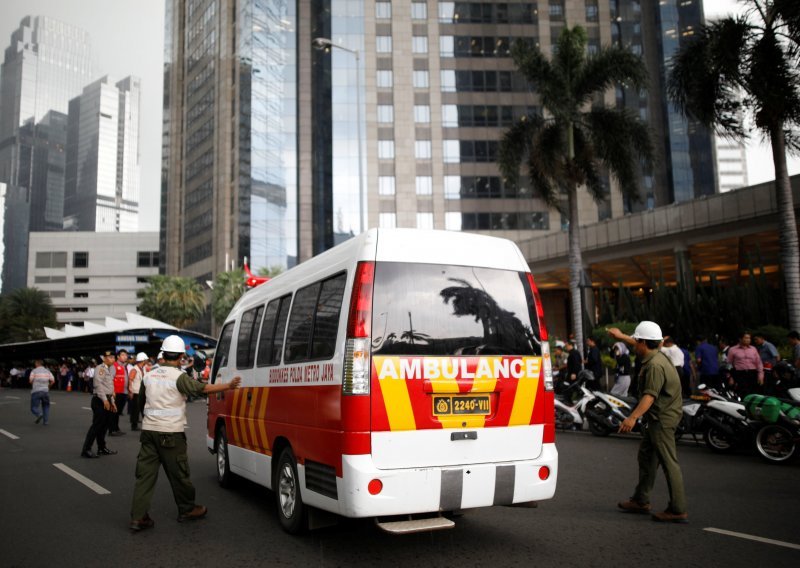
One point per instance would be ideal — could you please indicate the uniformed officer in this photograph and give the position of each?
(660, 407)
(103, 406)
(162, 396)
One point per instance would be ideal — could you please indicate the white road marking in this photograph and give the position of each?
(86, 407)
(13, 397)
(755, 538)
(9, 434)
(85, 480)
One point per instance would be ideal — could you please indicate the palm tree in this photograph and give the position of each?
(749, 64)
(176, 300)
(25, 313)
(567, 146)
(228, 288)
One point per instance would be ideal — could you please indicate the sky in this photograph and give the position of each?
(128, 39)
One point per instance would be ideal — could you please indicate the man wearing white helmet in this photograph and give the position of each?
(162, 397)
(134, 383)
(660, 408)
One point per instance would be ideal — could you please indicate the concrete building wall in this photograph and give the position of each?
(89, 276)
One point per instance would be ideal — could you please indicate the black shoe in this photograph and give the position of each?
(88, 454)
(116, 433)
(135, 428)
(106, 452)
(39, 418)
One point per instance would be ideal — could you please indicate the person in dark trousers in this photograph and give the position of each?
(134, 384)
(162, 398)
(594, 362)
(707, 359)
(120, 392)
(103, 406)
(660, 408)
(41, 380)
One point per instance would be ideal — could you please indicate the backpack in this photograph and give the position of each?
(769, 408)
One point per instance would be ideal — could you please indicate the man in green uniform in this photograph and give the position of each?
(660, 408)
(162, 397)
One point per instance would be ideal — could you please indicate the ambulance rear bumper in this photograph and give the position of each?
(430, 490)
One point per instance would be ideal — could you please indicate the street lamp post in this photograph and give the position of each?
(326, 44)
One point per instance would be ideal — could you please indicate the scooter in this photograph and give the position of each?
(605, 412)
(570, 416)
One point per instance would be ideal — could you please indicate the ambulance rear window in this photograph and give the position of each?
(427, 309)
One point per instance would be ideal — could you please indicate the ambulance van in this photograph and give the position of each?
(402, 375)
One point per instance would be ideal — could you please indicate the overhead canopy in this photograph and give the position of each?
(135, 333)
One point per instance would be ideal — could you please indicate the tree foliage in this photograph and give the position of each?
(576, 137)
(228, 288)
(25, 313)
(749, 66)
(175, 300)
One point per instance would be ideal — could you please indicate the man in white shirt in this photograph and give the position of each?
(41, 380)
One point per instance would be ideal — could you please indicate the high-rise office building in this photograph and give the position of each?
(45, 64)
(731, 164)
(102, 169)
(42, 162)
(276, 150)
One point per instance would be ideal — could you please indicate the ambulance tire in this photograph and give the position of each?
(291, 510)
(224, 474)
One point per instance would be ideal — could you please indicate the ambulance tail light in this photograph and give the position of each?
(357, 349)
(547, 367)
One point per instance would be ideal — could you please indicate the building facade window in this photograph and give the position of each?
(422, 149)
(80, 259)
(422, 114)
(424, 185)
(51, 260)
(383, 10)
(385, 79)
(386, 185)
(421, 80)
(387, 220)
(385, 114)
(419, 44)
(383, 44)
(425, 221)
(147, 259)
(419, 11)
(386, 149)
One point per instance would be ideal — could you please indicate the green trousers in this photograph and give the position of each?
(167, 449)
(658, 447)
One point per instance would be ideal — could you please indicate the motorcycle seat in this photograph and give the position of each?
(631, 400)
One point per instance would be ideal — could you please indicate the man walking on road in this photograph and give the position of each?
(41, 380)
(660, 408)
(162, 396)
(134, 384)
(120, 392)
(102, 407)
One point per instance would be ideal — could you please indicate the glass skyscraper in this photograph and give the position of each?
(269, 140)
(45, 64)
(102, 168)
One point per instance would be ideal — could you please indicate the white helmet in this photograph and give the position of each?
(648, 330)
(160, 355)
(173, 344)
(141, 356)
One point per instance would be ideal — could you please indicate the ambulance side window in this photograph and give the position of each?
(326, 320)
(271, 343)
(223, 351)
(248, 335)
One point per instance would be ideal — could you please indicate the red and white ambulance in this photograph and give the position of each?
(401, 375)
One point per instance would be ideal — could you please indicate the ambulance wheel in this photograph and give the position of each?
(223, 463)
(291, 511)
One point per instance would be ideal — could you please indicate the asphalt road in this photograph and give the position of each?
(47, 518)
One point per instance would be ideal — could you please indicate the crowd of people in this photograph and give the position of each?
(746, 366)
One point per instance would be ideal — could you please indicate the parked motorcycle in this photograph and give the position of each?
(725, 421)
(569, 415)
(605, 412)
(777, 442)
